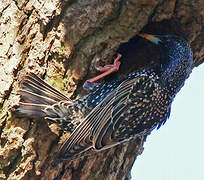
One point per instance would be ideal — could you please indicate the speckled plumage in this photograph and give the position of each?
(116, 111)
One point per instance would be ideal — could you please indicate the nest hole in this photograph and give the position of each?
(138, 52)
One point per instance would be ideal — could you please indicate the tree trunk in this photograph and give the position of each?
(60, 41)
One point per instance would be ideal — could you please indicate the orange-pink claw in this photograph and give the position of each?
(114, 66)
(108, 69)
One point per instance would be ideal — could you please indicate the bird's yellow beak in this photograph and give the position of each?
(150, 37)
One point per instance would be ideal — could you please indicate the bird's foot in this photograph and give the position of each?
(88, 86)
(108, 69)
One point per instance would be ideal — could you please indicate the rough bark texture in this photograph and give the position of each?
(60, 41)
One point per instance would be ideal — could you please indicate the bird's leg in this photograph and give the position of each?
(108, 69)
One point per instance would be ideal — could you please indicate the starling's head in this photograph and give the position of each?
(176, 55)
(174, 49)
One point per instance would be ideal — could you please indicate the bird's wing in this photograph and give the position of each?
(99, 121)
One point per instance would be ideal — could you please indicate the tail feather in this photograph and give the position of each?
(36, 96)
(31, 110)
(33, 83)
(30, 97)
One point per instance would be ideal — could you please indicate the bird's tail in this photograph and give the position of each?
(36, 96)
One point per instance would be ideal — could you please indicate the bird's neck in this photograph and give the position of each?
(174, 75)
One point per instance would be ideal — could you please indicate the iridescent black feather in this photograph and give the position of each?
(112, 112)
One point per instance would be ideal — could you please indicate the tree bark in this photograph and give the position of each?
(60, 41)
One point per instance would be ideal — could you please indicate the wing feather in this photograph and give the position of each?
(101, 117)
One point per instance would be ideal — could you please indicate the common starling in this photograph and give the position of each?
(112, 112)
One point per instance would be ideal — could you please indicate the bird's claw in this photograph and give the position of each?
(113, 67)
(108, 69)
